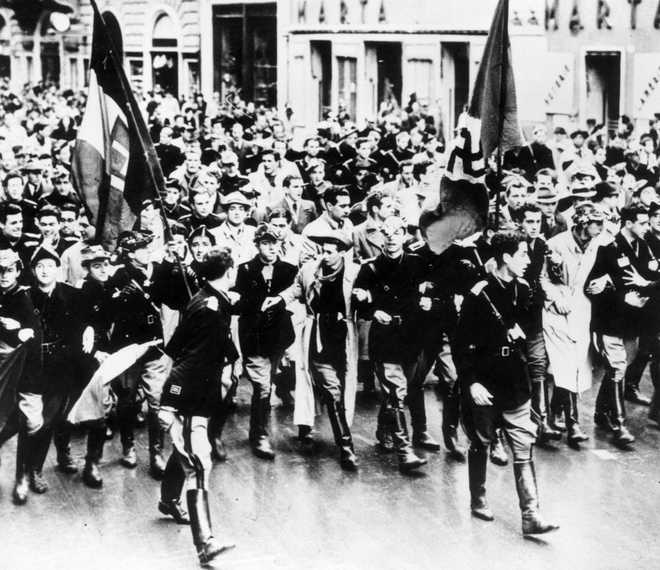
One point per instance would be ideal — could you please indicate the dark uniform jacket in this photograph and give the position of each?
(263, 333)
(200, 346)
(482, 351)
(443, 274)
(394, 288)
(610, 314)
(136, 306)
(96, 310)
(61, 325)
(16, 304)
(652, 308)
(537, 255)
(192, 221)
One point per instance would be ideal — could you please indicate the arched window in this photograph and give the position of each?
(164, 54)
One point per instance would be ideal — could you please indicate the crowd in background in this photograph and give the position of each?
(239, 177)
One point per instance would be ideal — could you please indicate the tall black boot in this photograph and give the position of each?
(342, 434)
(477, 467)
(170, 491)
(95, 441)
(622, 437)
(532, 522)
(62, 441)
(384, 429)
(22, 458)
(365, 372)
(654, 408)
(208, 548)
(408, 461)
(575, 434)
(216, 425)
(633, 377)
(603, 399)
(556, 411)
(38, 445)
(540, 413)
(156, 444)
(285, 383)
(126, 417)
(450, 420)
(261, 446)
(421, 437)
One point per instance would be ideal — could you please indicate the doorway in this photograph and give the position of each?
(603, 87)
(322, 75)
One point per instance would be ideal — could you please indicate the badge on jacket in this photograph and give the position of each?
(653, 265)
(212, 303)
(623, 261)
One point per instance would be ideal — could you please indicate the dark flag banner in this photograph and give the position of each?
(114, 163)
(490, 124)
(11, 372)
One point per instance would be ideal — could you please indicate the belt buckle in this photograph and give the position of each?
(397, 320)
(151, 319)
(505, 351)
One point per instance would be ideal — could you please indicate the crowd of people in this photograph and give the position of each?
(297, 262)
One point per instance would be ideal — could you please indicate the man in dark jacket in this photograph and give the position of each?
(57, 306)
(490, 346)
(390, 286)
(20, 329)
(137, 297)
(202, 351)
(264, 334)
(537, 358)
(619, 285)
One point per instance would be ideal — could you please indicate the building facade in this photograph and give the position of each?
(161, 43)
(610, 59)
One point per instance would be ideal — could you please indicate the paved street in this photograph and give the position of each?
(299, 513)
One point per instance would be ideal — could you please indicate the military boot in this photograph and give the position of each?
(477, 467)
(156, 444)
(408, 461)
(342, 434)
(208, 548)
(532, 522)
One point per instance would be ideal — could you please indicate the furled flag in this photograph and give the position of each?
(114, 163)
(491, 123)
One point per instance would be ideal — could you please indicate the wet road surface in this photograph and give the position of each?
(305, 513)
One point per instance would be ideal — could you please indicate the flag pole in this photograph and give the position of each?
(500, 130)
(132, 117)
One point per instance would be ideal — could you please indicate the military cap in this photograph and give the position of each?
(235, 197)
(48, 210)
(70, 206)
(9, 258)
(265, 232)
(134, 240)
(201, 231)
(44, 252)
(328, 235)
(93, 253)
